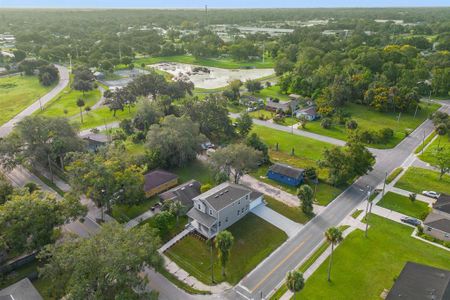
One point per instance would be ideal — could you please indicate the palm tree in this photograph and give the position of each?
(224, 242)
(80, 104)
(295, 282)
(334, 236)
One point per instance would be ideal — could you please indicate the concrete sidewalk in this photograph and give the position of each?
(389, 214)
(290, 227)
(419, 197)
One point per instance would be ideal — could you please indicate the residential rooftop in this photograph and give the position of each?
(286, 170)
(223, 195)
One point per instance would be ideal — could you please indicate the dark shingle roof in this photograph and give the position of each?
(421, 282)
(223, 195)
(443, 203)
(156, 178)
(184, 192)
(21, 290)
(437, 221)
(287, 170)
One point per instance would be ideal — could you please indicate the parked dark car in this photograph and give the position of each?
(411, 221)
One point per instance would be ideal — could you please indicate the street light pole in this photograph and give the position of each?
(368, 210)
(384, 183)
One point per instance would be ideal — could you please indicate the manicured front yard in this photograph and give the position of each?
(17, 93)
(254, 240)
(124, 213)
(364, 267)
(417, 180)
(225, 63)
(429, 154)
(293, 213)
(370, 119)
(403, 205)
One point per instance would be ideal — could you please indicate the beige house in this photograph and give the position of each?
(437, 223)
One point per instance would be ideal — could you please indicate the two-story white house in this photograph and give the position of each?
(222, 206)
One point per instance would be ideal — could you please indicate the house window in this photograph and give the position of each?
(199, 206)
(429, 228)
(220, 223)
(238, 212)
(226, 219)
(210, 212)
(242, 210)
(239, 202)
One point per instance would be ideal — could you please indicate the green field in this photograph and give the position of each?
(293, 213)
(417, 180)
(307, 153)
(17, 93)
(403, 205)
(224, 63)
(254, 240)
(67, 100)
(373, 120)
(429, 153)
(364, 267)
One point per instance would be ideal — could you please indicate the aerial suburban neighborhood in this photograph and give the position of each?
(246, 150)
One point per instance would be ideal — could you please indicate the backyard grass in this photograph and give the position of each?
(67, 100)
(254, 240)
(101, 116)
(123, 213)
(293, 213)
(417, 180)
(17, 93)
(416, 209)
(364, 267)
(394, 175)
(224, 63)
(373, 120)
(173, 227)
(198, 170)
(442, 142)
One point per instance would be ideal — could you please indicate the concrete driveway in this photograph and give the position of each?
(287, 225)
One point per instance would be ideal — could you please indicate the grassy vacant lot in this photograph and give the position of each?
(17, 93)
(370, 119)
(417, 180)
(124, 213)
(403, 205)
(428, 155)
(293, 213)
(224, 63)
(307, 153)
(273, 92)
(101, 116)
(67, 100)
(198, 170)
(364, 267)
(254, 240)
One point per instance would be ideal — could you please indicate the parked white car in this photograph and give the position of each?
(431, 194)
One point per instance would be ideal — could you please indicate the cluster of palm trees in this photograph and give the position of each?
(295, 280)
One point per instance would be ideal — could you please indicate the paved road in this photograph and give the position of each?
(6, 128)
(272, 271)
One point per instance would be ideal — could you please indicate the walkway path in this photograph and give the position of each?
(389, 214)
(278, 220)
(6, 128)
(407, 193)
(276, 193)
(141, 218)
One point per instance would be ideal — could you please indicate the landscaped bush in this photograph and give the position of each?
(430, 238)
(326, 123)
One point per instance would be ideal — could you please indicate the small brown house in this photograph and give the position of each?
(158, 181)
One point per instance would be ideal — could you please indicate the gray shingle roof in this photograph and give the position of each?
(421, 282)
(184, 192)
(201, 217)
(156, 178)
(437, 221)
(287, 170)
(443, 203)
(223, 195)
(21, 290)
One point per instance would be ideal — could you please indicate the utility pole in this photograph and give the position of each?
(399, 116)
(423, 141)
(264, 51)
(417, 107)
(206, 16)
(384, 183)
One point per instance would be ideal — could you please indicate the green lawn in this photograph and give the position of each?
(198, 170)
(224, 63)
(262, 114)
(67, 100)
(371, 119)
(254, 240)
(394, 174)
(425, 142)
(124, 213)
(273, 92)
(293, 213)
(17, 93)
(428, 155)
(417, 180)
(403, 205)
(364, 267)
(102, 116)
